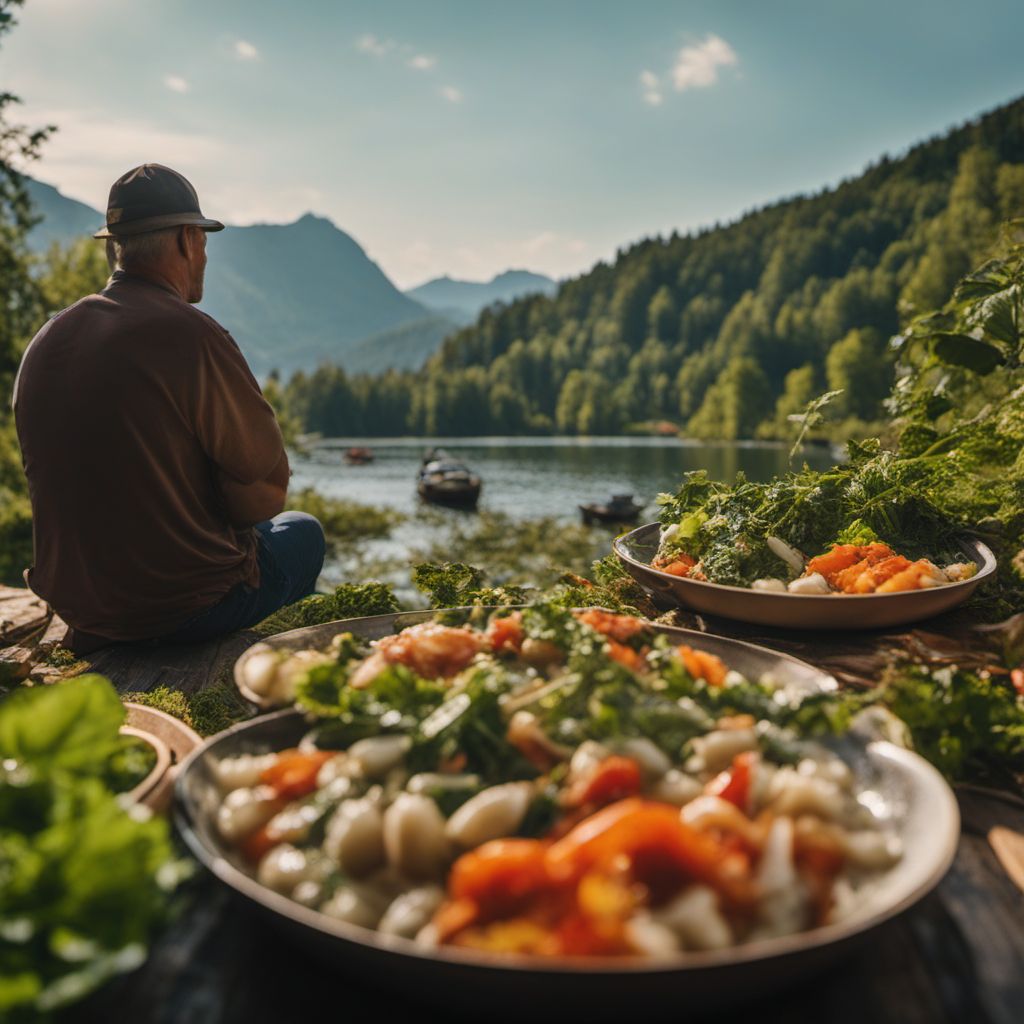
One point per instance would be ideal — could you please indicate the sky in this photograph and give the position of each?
(464, 137)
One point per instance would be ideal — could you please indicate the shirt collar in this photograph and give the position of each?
(120, 276)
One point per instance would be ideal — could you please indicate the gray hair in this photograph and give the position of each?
(139, 250)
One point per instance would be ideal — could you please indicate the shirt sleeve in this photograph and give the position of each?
(234, 423)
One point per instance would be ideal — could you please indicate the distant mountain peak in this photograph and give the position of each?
(463, 300)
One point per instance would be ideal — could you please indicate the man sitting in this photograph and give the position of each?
(156, 468)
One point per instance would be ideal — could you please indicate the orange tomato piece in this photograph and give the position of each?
(654, 832)
(453, 916)
(633, 660)
(734, 784)
(505, 635)
(676, 565)
(907, 579)
(877, 574)
(840, 557)
(843, 559)
(261, 841)
(846, 578)
(499, 874)
(702, 665)
(614, 778)
(294, 772)
(617, 627)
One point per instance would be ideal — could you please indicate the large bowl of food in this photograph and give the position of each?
(610, 810)
(849, 585)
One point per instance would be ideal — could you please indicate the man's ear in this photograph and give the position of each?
(184, 242)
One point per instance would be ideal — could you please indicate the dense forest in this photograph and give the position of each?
(726, 331)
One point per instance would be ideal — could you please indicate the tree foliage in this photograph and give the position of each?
(705, 329)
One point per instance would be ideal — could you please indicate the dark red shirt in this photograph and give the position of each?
(127, 403)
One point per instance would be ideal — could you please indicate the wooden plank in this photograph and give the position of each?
(21, 614)
(188, 668)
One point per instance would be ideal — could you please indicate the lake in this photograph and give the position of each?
(534, 476)
(523, 477)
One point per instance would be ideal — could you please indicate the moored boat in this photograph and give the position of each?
(621, 509)
(444, 481)
(359, 456)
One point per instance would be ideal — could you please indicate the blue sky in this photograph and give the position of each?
(469, 137)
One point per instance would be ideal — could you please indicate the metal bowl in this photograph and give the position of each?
(746, 658)
(923, 814)
(797, 611)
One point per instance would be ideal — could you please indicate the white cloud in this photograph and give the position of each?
(375, 47)
(74, 163)
(651, 87)
(576, 246)
(175, 83)
(696, 67)
(534, 245)
(244, 50)
(451, 94)
(422, 62)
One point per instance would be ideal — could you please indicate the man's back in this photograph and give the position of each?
(127, 405)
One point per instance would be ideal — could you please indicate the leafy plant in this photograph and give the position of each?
(83, 882)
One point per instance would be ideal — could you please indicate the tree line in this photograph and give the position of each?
(725, 331)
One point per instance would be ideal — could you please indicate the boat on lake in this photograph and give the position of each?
(620, 509)
(358, 456)
(445, 481)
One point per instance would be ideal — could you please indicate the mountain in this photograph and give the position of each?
(463, 301)
(727, 331)
(292, 295)
(63, 220)
(295, 295)
(406, 347)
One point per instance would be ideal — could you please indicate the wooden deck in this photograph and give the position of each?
(29, 632)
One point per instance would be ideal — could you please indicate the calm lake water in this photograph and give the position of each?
(522, 477)
(538, 476)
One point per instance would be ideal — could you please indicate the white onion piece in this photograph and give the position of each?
(788, 554)
(411, 912)
(813, 584)
(493, 814)
(414, 837)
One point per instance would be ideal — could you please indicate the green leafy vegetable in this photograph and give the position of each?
(901, 501)
(73, 726)
(83, 882)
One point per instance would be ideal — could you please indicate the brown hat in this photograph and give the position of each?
(151, 197)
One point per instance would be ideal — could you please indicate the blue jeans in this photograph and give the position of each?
(291, 554)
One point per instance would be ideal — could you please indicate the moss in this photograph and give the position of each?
(61, 657)
(349, 600)
(208, 711)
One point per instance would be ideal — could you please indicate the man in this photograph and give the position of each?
(155, 466)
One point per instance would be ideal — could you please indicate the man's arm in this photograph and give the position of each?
(248, 504)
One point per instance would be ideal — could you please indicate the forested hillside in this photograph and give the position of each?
(725, 331)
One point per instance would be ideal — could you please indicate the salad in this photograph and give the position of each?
(869, 526)
(552, 783)
(871, 568)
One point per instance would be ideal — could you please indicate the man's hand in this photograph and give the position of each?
(248, 504)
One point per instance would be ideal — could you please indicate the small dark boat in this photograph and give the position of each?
(358, 456)
(444, 481)
(621, 509)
